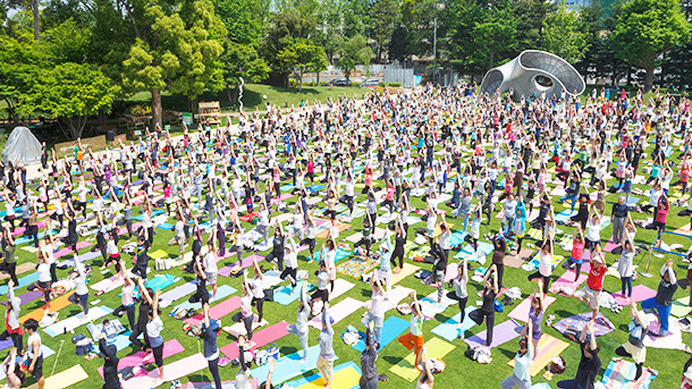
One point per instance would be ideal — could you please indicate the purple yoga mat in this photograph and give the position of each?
(639, 293)
(179, 292)
(28, 297)
(502, 333)
(5, 344)
(247, 262)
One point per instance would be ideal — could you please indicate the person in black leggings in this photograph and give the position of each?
(487, 310)
(399, 242)
(210, 329)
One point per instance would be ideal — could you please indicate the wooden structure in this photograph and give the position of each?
(209, 112)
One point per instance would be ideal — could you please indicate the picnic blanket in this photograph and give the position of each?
(620, 375)
(357, 266)
(602, 327)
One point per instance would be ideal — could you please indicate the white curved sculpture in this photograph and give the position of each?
(527, 74)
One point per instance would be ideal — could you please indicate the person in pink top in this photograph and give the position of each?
(389, 198)
(368, 178)
(167, 197)
(661, 215)
(276, 179)
(311, 170)
(127, 301)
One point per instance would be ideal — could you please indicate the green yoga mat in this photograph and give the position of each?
(436, 347)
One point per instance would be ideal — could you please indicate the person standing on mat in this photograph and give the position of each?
(110, 363)
(369, 378)
(325, 362)
(398, 252)
(81, 292)
(521, 378)
(663, 301)
(144, 309)
(34, 353)
(245, 315)
(211, 270)
(13, 329)
(376, 313)
(536, 313)
(242, 377)
(460, 293)
(426, 380)
(499, 251)
(634, 348)
(575, 258)
(10, 261)
(300, 328)
(201, 294)
(153, 331)
(13, 372)
(545, 265)
(626, 267)
(591, 292)
(127, 303)
(590, 363)
(210, 328)
(258, 290)
(414, 339)
(487, 309)
(277, 253)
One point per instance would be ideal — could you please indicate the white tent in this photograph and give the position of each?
(22, 146)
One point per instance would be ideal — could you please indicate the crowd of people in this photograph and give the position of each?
(431, 156)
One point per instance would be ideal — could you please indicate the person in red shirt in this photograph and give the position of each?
(591, 293)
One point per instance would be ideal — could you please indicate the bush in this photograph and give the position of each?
(382, 84)
(292, 83)
(355, 84)
(395, 84)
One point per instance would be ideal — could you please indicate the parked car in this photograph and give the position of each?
(339, 82)
(370, 83)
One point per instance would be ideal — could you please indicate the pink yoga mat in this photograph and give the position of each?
(283, 197)
(608, 248)
(170, 348)
(521, 311)
(639, 293)
(261, 339)
(172, 371)
(68, 250)
(567, 279)
(217, 311)
(502, 333)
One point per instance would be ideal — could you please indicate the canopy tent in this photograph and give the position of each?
(22, 146)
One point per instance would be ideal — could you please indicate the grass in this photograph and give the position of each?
(460, 371)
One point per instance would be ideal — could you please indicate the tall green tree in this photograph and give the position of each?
(354, 51)
(301, 56)
(530, 16)
(71, 93)
(565, 36)
(385, 18)
(284, 28)
(399, 49)
(645, 29)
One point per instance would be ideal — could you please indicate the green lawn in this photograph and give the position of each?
(460, 370)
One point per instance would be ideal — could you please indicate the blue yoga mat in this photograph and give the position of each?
(564, 216)
(282, 295)
(288, 366)
(28, 238)
(457, 238)
(286, 187)
(155, 212)
(393, 327)
(24, 281)
(449, 330)
(222, 292)
(165, 226)
(315, 187)
(306, 380)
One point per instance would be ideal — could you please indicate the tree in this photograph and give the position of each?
(530, 16)
(177, 49)
(645, 29)
(71, 93)
(354, 51)
(283, 29)
(399, 49)
(564, 35)
(301, 56)
(385, 18)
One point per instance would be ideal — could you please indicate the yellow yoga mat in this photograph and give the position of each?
(55, 305)
(64, 379)
(436, 348)
(343, 379)
(406, 271)
(548, 348)
(438, 230)
(339, 226)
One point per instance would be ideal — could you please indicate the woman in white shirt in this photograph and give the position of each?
(210, 268)
(81, 294)
(153, 328)
(593, 231)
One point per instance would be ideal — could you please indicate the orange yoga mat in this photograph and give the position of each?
(55, 305)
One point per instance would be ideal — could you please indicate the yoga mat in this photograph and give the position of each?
(210, 385)
(436, 348)
(158, 254)
(450, 330)
(217, 311)
(340, 227)
(180, 291)
(284, 196)
(288, 367)
(55, 305)
(338, 311)
(161, 281)
(406, 271)
(238, 329)
(260, 339)
(346, 376)
(155, 212)
(170, 348)
(548, 348)
(165, 226)
(521, 311)
(108, 284)
(20, 269)
(502, 333)
(681, 307)
(222, 292)
(65, 378)
(283, 294)
(610, 246)
(515, 261)
(620, 375)
(639, 293)
(27, 297)
(430, 307)
(23, 281)
(392, 328)
(62, 326)
(341, 286)
(172, 371)
(68, 250)
(673, 341)
(566, 280)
